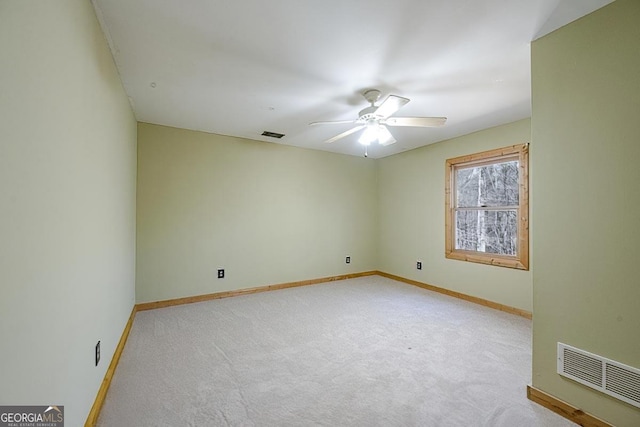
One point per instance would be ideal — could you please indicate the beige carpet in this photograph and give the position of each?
(361, 352)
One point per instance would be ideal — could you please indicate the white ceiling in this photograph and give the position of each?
(241, 67)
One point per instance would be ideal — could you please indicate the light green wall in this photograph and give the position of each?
(266, 213)
(67, 205)
(586, 185)
(270, 214)
(411, 206)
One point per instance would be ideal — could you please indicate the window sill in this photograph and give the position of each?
(489, 259)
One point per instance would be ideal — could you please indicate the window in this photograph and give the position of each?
(487, 207)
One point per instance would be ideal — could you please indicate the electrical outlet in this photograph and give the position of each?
(419, 265)
(348, 260)
(97, 353)
(221, 273)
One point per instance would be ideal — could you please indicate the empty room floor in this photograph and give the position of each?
(361, 352)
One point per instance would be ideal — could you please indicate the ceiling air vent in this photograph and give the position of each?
(605, 375)
(272, 134)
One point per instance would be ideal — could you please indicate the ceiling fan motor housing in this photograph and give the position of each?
(368, 114)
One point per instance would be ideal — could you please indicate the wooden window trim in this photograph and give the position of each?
(521, 260)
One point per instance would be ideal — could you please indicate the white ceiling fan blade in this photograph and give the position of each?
(426, 122)
(390, 105)
(336, 122)
(384, 136)
(343, 134)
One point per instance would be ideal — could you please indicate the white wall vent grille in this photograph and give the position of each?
(608, 376)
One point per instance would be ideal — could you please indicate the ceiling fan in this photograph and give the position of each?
(374, 120)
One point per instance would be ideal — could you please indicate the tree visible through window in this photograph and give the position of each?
(487, 207)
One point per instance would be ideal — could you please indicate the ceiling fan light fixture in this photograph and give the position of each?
(370, 134)
(384, 136)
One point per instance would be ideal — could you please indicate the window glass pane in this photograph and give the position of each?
(488, 185)
(493, 232)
